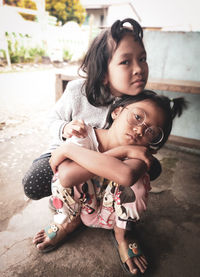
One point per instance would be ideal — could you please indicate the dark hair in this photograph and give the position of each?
(95, 62)
(171, 108)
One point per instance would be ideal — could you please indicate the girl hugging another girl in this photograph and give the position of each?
(103, 179)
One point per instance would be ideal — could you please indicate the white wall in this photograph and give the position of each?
(120, 12)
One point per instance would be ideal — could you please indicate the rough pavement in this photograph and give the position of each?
(169, 231)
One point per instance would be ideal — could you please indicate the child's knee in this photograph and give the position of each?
(31, 195)
(28, 188)
(36, 186)
(64, 179)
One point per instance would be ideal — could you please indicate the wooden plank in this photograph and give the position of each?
(61, 82)
(153, 84)
(174, 85)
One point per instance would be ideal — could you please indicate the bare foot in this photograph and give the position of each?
(46, 239)
(134, 263)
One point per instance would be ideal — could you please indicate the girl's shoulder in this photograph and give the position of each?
(74, 91)
(75, 85)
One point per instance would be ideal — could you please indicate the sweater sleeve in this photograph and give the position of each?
(61, 114)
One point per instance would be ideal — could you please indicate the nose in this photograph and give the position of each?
(139, 130)
(137, 69)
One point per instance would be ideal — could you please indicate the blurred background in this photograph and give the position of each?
(40, 39)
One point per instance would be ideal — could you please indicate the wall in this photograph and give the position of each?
(175, 55)
(120, 12)
(97, 14)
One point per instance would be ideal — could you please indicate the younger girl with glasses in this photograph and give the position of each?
(119, 196)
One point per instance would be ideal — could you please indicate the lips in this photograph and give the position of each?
(139, 82)
(133, 138)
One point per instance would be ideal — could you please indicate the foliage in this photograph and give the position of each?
(22, 49)
(66, 55)
(66, 10)
(19, 52)
(28, 4)
(63, 10)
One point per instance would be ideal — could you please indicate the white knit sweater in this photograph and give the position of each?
(74, 105)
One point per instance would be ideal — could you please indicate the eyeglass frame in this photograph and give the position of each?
(146, 126)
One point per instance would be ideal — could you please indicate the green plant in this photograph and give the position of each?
(67, 55)
(2, 53)
(20, 52)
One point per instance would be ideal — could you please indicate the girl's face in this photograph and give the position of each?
(128, 132)
(128, 69)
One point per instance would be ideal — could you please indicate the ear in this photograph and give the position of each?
(116, 112)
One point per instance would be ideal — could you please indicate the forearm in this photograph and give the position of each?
(104, 165)
(71, 174)
(132, 152)
(117, 152)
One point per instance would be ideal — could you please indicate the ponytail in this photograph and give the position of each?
(119, 28)
(178, 105)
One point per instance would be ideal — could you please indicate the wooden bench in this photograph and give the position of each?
(153, 84)
(61, 83)
(174, 85)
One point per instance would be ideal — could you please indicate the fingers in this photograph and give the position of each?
(75, 128)
(77, 131)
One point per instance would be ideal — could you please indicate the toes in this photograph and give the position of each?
(134, 271)
(131, 267)
(42, 243)
(38, 240)
(40, 233)
(39, 237)
(42, 246)
(141, 263)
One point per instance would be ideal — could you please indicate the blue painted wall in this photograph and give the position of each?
(176, 55)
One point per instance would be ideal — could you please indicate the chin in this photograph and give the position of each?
(139, 90)
(136, 91)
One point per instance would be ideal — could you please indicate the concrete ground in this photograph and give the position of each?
(169, 231)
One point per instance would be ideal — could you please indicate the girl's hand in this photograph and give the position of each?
(132, 152)
(75, 128)
(141, 153)
(57, 157)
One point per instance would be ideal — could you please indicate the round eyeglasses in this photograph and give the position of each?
(153, 134)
